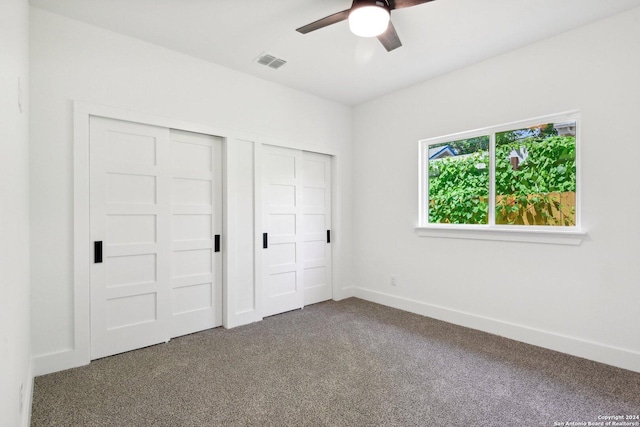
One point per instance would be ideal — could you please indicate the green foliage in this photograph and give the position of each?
(458, 187)
(550, 166)
(470, 145)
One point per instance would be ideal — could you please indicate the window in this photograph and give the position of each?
(519, 177)
(458, 187)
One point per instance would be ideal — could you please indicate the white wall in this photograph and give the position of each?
(15, 354)
(581, 300)
(72, 61)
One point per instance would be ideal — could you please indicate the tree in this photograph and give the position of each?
(470, 145)
(540, 131)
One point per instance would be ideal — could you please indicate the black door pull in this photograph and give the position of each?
(265, 240)
(216, 243)
(97, 252)
(328, 236)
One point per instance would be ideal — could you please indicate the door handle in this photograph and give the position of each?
(97, 252)
(265, 240)
(216, 243)
(328, 236)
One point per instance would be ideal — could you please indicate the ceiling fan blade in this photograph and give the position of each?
(324, 22)
(399, 4)
(390, 39)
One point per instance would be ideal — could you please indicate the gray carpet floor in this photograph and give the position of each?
(347, 363)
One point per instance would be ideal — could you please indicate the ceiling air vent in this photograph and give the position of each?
(277, 63)
(270, 61)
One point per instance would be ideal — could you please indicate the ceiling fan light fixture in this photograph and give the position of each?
(369, 20)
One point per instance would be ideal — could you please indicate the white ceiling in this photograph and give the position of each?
(332, 63)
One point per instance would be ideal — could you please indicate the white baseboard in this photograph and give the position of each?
(344, 293)
(59, 361)
(241, 319)
(615, 356)
(28, 397)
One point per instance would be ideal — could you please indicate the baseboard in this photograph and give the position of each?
(241, 319)
(28, 397)
(615, 356)
(58, 361)
(619, 357)
(344, 293)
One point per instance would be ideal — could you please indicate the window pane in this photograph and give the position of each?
(459, 181)
(536, 175)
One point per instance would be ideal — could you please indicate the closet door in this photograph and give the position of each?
(282, 208)
(296, 196)
(130, 203)
(282, 195)
(155, 211)
(196, 224)
(316, 227)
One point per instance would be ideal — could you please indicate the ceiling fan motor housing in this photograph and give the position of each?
(369, 18)
(362, 3)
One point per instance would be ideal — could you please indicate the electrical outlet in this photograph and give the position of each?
(394, 280)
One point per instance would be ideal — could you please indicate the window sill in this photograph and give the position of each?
(479, 232)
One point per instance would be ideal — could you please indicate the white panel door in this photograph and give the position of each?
(196, 220)
(154, 208)
(316, 226)
(282, 210)
(297, 217)
(130, 202)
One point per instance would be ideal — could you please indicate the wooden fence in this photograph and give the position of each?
(542, 209)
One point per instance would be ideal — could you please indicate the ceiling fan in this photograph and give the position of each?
(368, 18)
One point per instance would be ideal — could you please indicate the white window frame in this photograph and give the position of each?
(528, 233)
